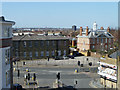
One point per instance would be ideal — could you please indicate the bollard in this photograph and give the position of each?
(14, 69)
(32, 78)
(76, 71)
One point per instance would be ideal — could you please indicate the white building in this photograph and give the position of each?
(5, 53)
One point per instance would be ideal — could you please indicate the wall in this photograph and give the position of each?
(83, 43)
(109, 84)
(21, 49)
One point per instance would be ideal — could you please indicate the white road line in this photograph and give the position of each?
(54, 71)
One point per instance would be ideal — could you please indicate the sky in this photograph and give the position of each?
(61, 14)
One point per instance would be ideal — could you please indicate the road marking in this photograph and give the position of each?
(54, 71)
(44, 70)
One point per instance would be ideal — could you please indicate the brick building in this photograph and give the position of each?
(94, 39)
(40, 46)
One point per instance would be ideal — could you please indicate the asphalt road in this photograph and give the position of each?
(47, 75)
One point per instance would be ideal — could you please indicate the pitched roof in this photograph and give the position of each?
(115, 54)
(2, 20)
(96, 34)
(38, 37)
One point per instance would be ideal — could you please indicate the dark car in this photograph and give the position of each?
(17, 87)
(71, 56)
(58, 58)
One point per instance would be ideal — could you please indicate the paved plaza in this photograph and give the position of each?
(46, 72)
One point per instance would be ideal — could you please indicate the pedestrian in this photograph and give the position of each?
(25, 79)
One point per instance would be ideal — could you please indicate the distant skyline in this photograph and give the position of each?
(61, 14)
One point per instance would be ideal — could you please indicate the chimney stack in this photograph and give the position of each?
(81, 31)
(108, 29)
(102, 28)
(73, 43)
(87, 31)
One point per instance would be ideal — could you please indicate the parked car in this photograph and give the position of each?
(17, 86)
(71, 56)
(65, 57)
(58, 58)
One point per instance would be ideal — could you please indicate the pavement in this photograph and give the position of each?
(96, 83)
(67, 62)
(46, 76)
(46, 72)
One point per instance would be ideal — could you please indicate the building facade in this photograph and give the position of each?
(40, 46)
(94, 39)
(74, 28)
(5, 53)
(109, 70)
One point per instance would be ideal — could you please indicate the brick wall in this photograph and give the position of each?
(83, 43)
(38, 48)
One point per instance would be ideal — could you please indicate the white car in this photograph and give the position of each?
(65, 57)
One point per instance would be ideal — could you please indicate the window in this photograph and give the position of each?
(109, 46)
(109, 40)
(24, 54)
(7, 32)
(36, 43)
(30, 54)
(93, 46)
(101, 40)
(97, 40)
(47, 43)
(53, 53)
(47, 53)
(83, 42)
(16, 54)
(64, 52)
(16, 44)
(42, 53)
(78, 40)
(53, 43)
(106, 40)
(24, 43)
(36, 54)
(7, 77)
(93, 40)
(106, 46)
(41, 43)
(30, 43)
(59, 42)
(7, 56)
(65, 43)
(59, 53)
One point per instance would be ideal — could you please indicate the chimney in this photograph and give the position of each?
(81, 31)
(73, 43)
(87, 31)
(108, 29)
(102, 28)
